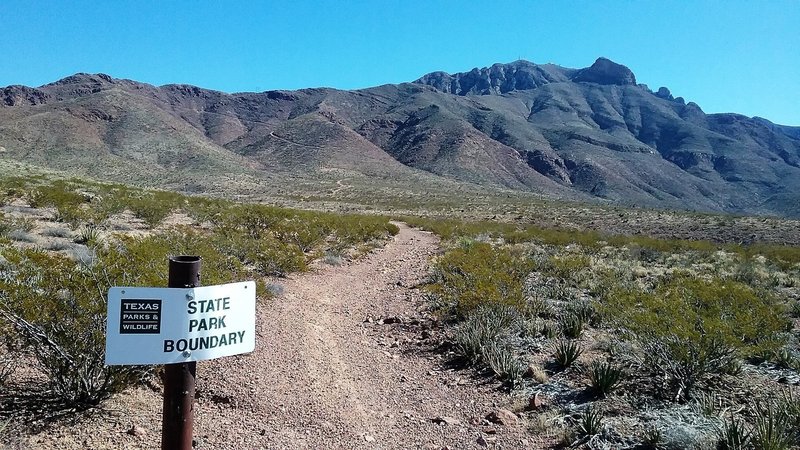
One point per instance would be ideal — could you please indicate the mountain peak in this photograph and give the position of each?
(521, 74)
(84, 78)
(605, 71)
(497, 79)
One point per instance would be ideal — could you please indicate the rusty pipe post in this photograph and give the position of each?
(177, 421)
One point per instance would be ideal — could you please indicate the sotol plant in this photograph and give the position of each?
(567, 352)
(604, 377)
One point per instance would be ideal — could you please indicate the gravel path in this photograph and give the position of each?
(342, 361)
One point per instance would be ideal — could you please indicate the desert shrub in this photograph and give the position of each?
(333, 259)
(771, 428)
(58, 194)
(503, 361)
(21, 223)
(590, 422)
(707, 404)
(480, 275)
(253, 220)
(733, 435)
(305, 234)
(584, 311)
(273, 257)
(481, 328)
(88, 235)
(566, 352)
(570, 267)
(58, 246)
(690, 328)
(21, 236)
(571, 325)
(56, 308)
(604, 377)
(150, 206)
(652, 439)
(57, 232)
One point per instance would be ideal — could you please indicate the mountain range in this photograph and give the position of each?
(590, 134)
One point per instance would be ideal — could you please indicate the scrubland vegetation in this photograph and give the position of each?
(604, 341)
(627, 341)
(64, 243)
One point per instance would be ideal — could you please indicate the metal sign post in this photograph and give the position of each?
(177, 326)
(177, 420)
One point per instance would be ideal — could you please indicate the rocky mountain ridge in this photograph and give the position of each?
(578, 134)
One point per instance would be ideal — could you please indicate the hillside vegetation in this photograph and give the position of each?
(610, 341)
(63, 243)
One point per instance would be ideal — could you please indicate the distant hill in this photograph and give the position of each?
(578, 134)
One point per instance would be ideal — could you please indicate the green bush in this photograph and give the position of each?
(690, 328)
(480, 274)
(56, 308)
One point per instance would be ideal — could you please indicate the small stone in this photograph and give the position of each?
(444, 420)
(503, 417)
(482, 441)
(536, 402)
(136, 430)
(489, 430)
(369, 438)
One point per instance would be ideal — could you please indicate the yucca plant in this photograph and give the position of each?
(88, 235)
(784, 358)
(503, 362)
(707, 404)
(567, 352)
(605, 378)
(572, 326)
(590, 422)
(771, 429)
(789, 408)
(733, 435)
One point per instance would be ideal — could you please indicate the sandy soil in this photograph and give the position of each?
(343, 360)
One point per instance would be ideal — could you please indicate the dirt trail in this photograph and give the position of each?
(326, 373)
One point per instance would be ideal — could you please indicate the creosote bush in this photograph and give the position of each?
(690, 328)
(480, 274)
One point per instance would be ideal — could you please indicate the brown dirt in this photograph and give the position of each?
(328, 372)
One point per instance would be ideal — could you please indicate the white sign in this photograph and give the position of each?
(175, 325)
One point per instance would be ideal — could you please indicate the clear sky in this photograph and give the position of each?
(727, 56)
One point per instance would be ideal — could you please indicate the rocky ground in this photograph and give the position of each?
(344, 359)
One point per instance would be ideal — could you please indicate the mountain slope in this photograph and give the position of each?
(578, 134)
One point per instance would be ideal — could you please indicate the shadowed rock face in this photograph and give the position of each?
(605, 71)
(578, 134)
(497, 79)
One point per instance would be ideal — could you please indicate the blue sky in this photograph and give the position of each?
(727, 56)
